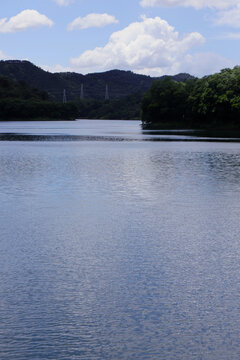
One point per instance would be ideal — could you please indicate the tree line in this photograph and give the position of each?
(210, 102)
(126, 108)
(19, 102)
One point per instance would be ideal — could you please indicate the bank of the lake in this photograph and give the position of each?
(211, 103)
(181, 128)
(16, 109)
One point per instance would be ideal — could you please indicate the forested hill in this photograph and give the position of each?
(120, 83)
(20, 102)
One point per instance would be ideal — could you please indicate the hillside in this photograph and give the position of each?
(20, 102)
(120, 83)
(11, 89)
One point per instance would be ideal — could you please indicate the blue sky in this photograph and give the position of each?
(152, 37)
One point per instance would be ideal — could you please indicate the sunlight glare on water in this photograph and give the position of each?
(118, 250)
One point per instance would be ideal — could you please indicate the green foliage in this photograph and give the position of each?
(19, 90)
(213, 101)
(125, 108)
(19, 101)
(164, 102)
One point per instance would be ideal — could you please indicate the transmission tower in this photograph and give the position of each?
(64, 96)
(106, 93)
(82, 93)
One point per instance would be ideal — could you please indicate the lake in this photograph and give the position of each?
(118, 244)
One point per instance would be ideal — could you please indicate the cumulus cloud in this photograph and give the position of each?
(229, 17)
(198, 64)
(204, 63)
(56, 68)
(197, 4)
(150, 46)
(228, 11)
(23, 21)
(92, 20)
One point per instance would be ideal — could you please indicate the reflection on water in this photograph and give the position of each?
(103, 130)
(119, 250)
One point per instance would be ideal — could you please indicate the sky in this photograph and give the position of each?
(152, 37)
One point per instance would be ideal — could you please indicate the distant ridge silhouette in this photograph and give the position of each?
(120, 83)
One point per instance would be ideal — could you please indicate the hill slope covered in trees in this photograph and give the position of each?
(120, 83)
(212, 102)
(19, 102)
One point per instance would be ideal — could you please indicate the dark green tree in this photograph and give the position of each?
(164, 102)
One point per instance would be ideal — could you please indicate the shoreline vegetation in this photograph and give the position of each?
(211, 104)
(46, 111)
(18, 101)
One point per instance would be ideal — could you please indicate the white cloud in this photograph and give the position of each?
(198, 64)
(92, 20)
(23, 21)
(197, 4)
(232, 36)
(56, 68)
(3, 56)
(228, 10)
(204, 63)
(64, 2)
(229, 17)
(151, 46)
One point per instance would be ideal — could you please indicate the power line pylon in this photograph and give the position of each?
(106, 93)
(64, 96)
(82, 93)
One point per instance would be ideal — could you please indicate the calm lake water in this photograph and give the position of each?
(113, 247)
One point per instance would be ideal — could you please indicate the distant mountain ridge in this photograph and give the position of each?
(93, 86)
